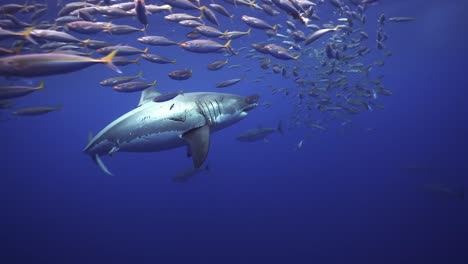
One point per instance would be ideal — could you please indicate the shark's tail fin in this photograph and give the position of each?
(101, 165)
(280, 127)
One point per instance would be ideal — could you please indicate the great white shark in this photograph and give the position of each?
(186, 120)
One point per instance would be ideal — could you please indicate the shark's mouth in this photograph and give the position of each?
(252, 102)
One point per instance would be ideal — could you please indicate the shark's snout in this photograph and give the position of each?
(251, 101)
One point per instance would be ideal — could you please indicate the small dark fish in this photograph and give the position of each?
(228, 83)
(123, 61)
(182, 4)
(318, 34)
(221, 10)
(180, 75)
(140, 11)
(122, 50)
(118, 80)
(217, 65)
(208, 31)
(122, 29)
(87, 27)
(33, 111)
(7, 92)
(97, 44)
(280, 52)
(257, 23)
(257, 134)
(40, 64)
(193, 35)
(190, 23)
(205, 46)
(401, 19)
(157, 59)
(166, 97)
(6, 104)
(210, 16)
(157, 41)
(130, 87)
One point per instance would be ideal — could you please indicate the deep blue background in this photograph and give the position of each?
(348, 196)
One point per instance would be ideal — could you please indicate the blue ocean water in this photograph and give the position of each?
(351, 194)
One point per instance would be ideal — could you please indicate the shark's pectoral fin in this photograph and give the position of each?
(101, 165)
(198, 140)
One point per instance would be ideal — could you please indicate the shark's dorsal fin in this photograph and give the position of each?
(198, 140)
(148, 95)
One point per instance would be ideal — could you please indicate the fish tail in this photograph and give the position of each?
(145, 50)
(297, 57)
(41, 86)
(154, 83)
(85, 42)
(27, 35)
(228, 44)
(248, 31)
(108, 60)
(137, 61)
(58, 107)
(280, 127)
(139, 74)
(173, 61)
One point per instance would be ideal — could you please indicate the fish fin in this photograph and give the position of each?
(198, 140)
(139, 74)
(280, 127)
(228, 44)
(137, 61)
(27, 35)
(90, 136)
(101, 165)
(41, 86)
(108, 60)
(147, 95)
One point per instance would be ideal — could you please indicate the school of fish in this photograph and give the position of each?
(324, 61)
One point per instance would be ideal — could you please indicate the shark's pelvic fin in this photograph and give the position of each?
(148, 95)
(101, 165)
(198, 140)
